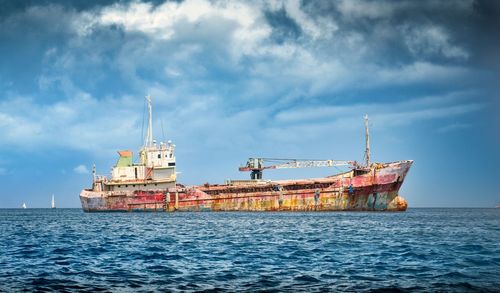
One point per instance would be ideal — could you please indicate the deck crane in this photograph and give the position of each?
(256, 165)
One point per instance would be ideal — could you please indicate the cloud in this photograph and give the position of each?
(81, 169)
(310, 26)
(453, 127)
(429, 40)
(172, 20)
(80, 123)
(363, 9)
(383, 114)
(219, 65)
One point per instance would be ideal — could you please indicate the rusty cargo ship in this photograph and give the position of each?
(151, 185)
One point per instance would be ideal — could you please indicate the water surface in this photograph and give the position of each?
(419, 250)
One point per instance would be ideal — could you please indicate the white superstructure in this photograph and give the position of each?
(155, 168)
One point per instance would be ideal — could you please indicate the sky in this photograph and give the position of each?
(236, 79)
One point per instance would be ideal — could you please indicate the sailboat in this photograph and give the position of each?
(53, 205)
(24, 205)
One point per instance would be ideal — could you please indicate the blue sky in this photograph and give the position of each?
(235, 79)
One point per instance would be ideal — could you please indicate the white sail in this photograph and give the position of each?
(24, 205)
(53, 202)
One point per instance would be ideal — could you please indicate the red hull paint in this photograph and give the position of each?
(376, 190)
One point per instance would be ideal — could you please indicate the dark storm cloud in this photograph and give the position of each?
(316, 49)
(472, 25)
(25, 34)
(8, 7)
(388, 34)
(284, 28)
(484, 38)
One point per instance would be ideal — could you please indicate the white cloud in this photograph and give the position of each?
(185, 37)
(81, 123)
(427, 40)
(453, 127)
(418, 72)
(385, 114)
(304, 21)
(214, 65)
(81, 169)
(166, 20)
(370, 9)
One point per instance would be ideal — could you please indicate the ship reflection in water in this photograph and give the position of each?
(150, 185)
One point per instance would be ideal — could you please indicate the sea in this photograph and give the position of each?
(420, 250)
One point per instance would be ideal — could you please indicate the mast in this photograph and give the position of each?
(367, 141)
(148, 140)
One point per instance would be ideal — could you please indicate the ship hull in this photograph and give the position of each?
(376, 189)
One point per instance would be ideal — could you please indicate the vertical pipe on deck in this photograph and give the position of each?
(176, 200)
(167, 201)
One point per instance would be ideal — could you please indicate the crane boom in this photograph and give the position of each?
(256, 165)
(311, 164)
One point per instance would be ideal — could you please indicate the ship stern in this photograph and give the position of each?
(92, 201)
